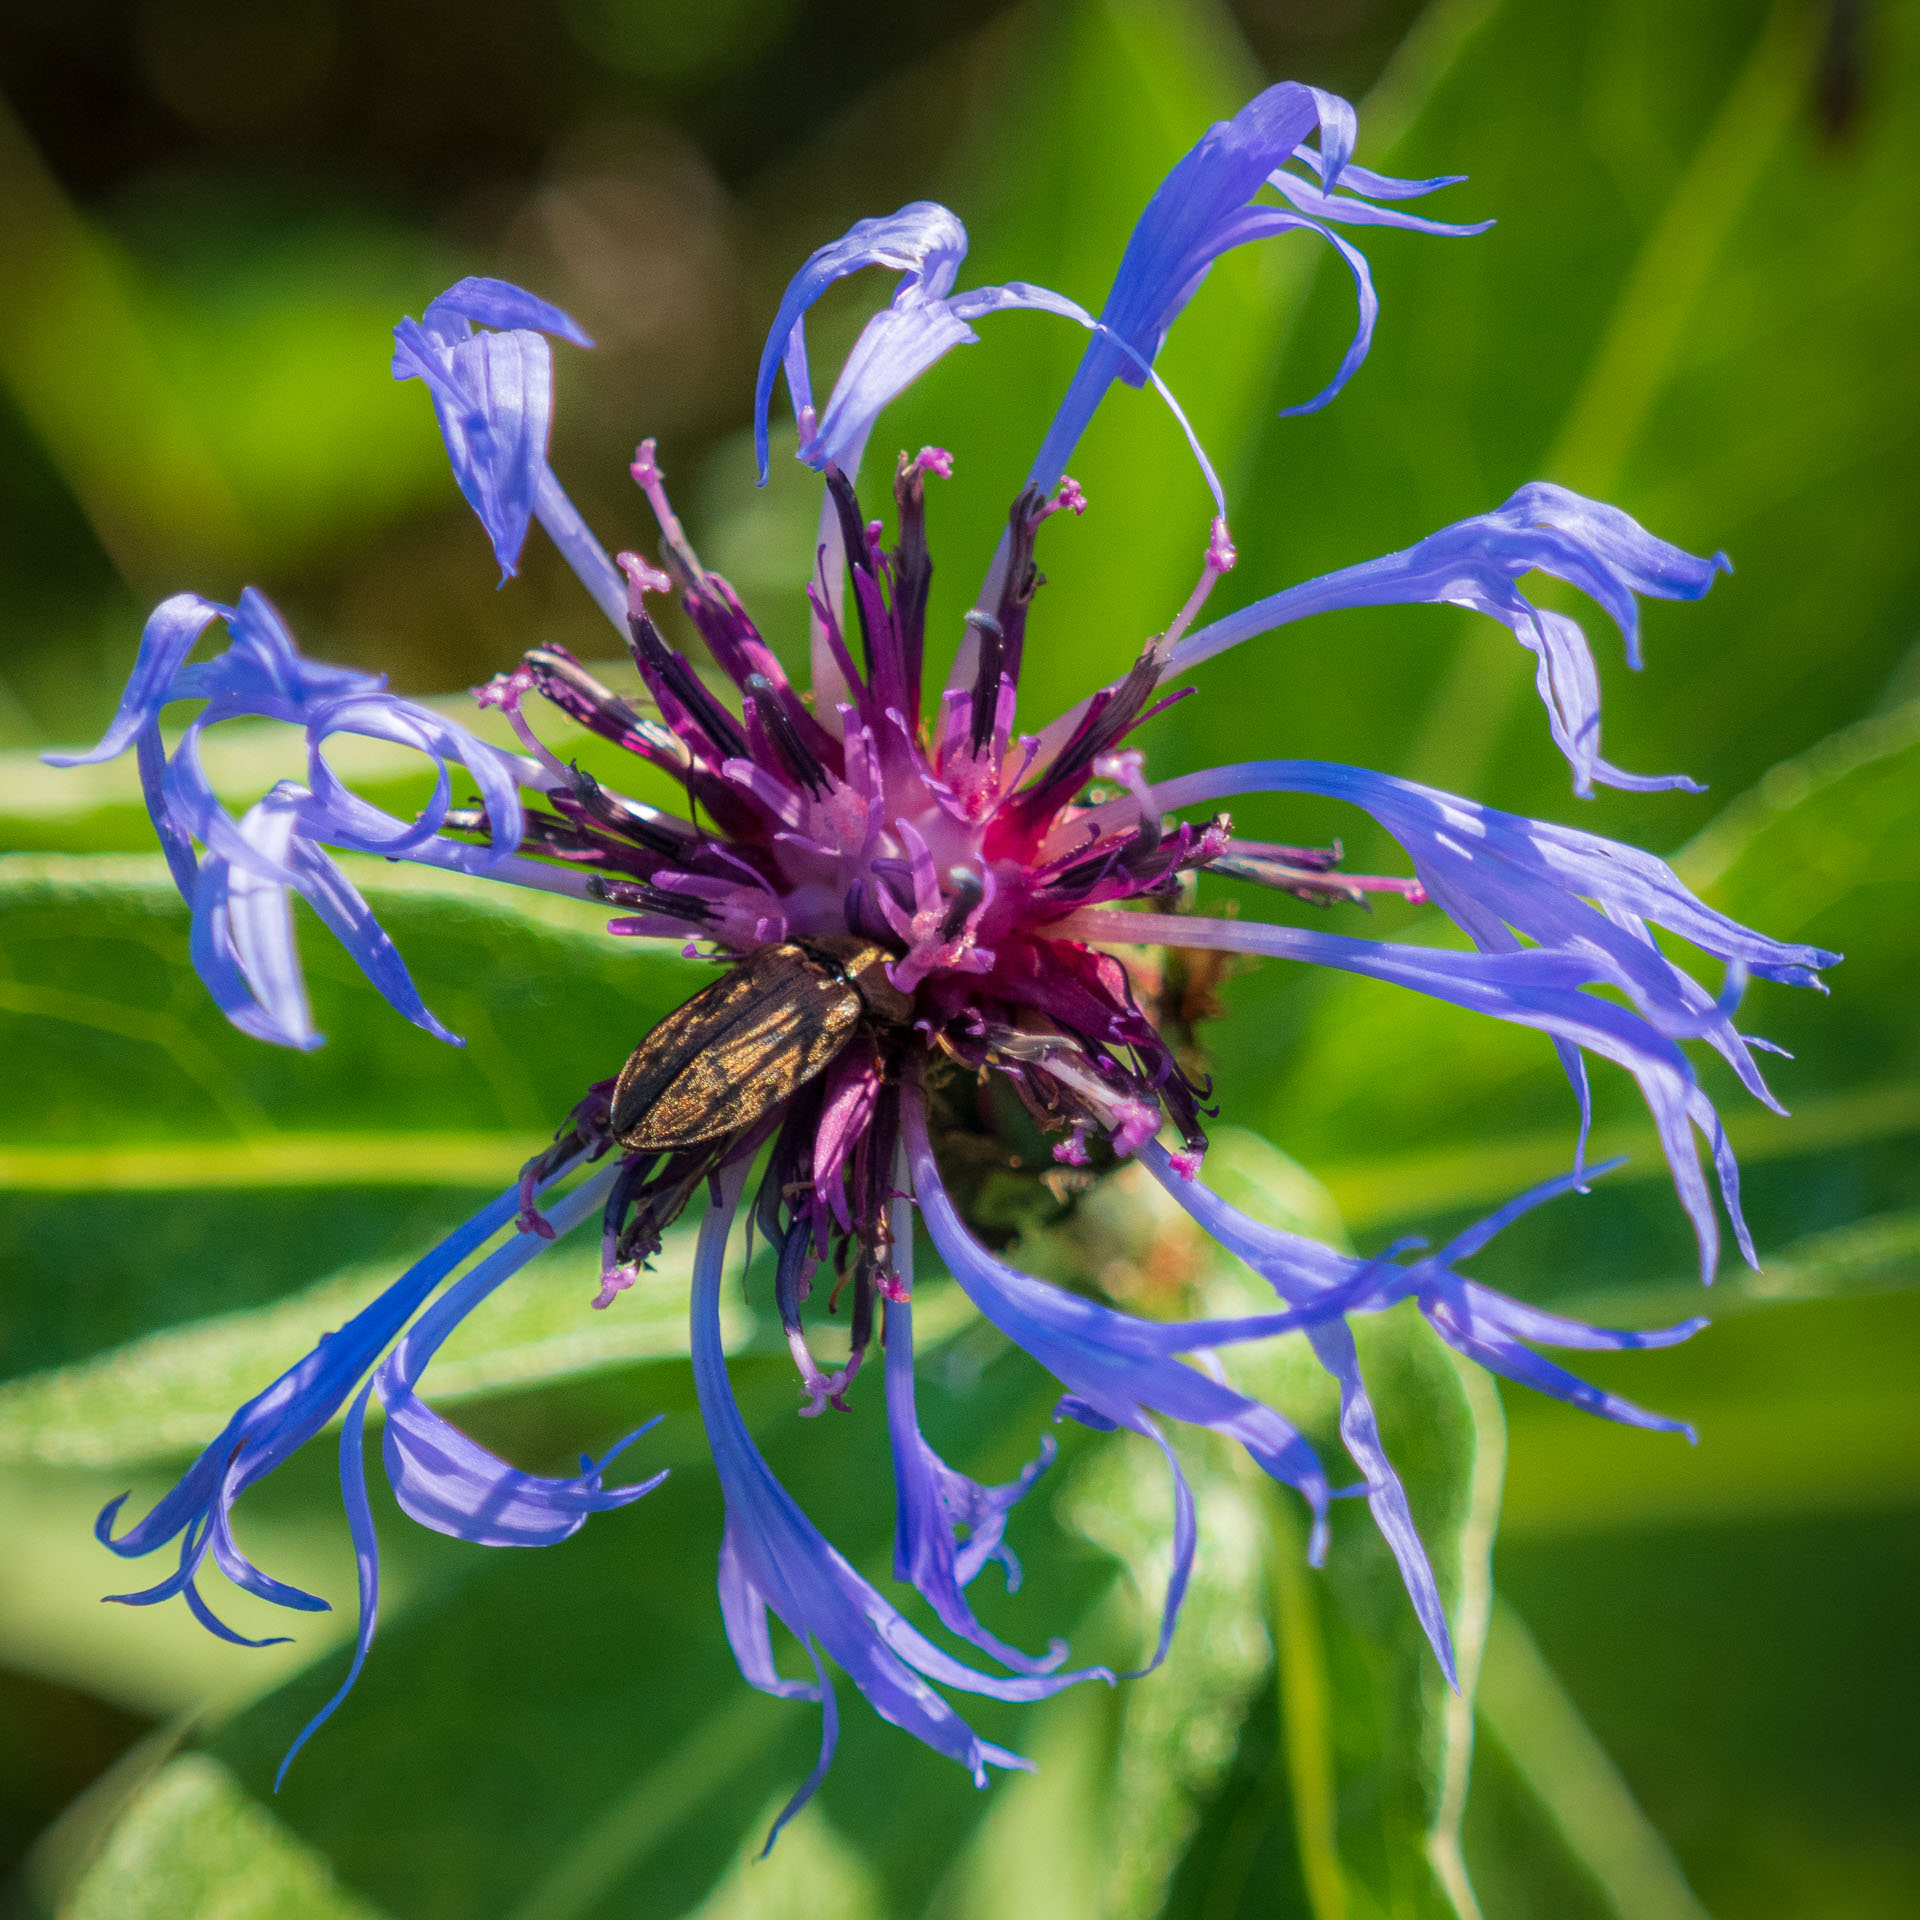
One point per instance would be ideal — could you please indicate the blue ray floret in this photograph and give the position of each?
(441, 1477)
(241, 888)
(1477, 563)
(975, 893)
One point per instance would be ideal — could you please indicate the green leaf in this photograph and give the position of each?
(96, 995)
(95, 959)
(194, 1841)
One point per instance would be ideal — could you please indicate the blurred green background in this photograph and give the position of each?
(1696, 1684)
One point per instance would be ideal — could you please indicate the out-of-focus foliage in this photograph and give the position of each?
(1687, 1672)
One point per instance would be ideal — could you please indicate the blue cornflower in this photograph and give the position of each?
(949, 890)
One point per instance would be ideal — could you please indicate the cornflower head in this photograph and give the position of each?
(913, 899)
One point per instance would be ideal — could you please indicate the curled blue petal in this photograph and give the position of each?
(339, 816)
(1504, 878)
(150, 755)
(1477, 563)
(366, 1557)
(1302, 1271)
(480, 301)
(1345, 209)
(1386, 1495)
(219, 1628)
(1475, 1319)
(934, 1503)
(1531, 987)
(1261, 224)
(924, 243)
(743, 1617)
(243, 940)
(166, 640)
(441, 1477)
(263, 674)
(1544, 1329)
(1501, 877)
(493, 395)
(350, 920)
(1485, 1325)
(1203, 209)
(243, 944)
(1499, 1353)
(268, 1429)
(1362, 180)
(773, 1559)
(449, 1482)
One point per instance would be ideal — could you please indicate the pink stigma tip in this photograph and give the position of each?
(1220, 549)
(642, 578)
(505, 689)
(646, 468)
(935, 460)
(1067, 498)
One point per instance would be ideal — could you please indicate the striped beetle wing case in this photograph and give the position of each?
(742, 1045)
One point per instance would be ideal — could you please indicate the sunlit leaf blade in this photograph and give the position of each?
(99, 994)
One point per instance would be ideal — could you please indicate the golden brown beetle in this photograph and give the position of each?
(742, 1045)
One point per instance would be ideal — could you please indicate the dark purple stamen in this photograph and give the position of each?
(1023, 578)
(1172, 700)
(795, 754)
(560, 678)
(860, 559)
(987, 680)
(790, 1273)
(912, 577)
(631, 819)
(861, 917)
(968, 891)
(669, 676)
(1111, 715)
(650, 899)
